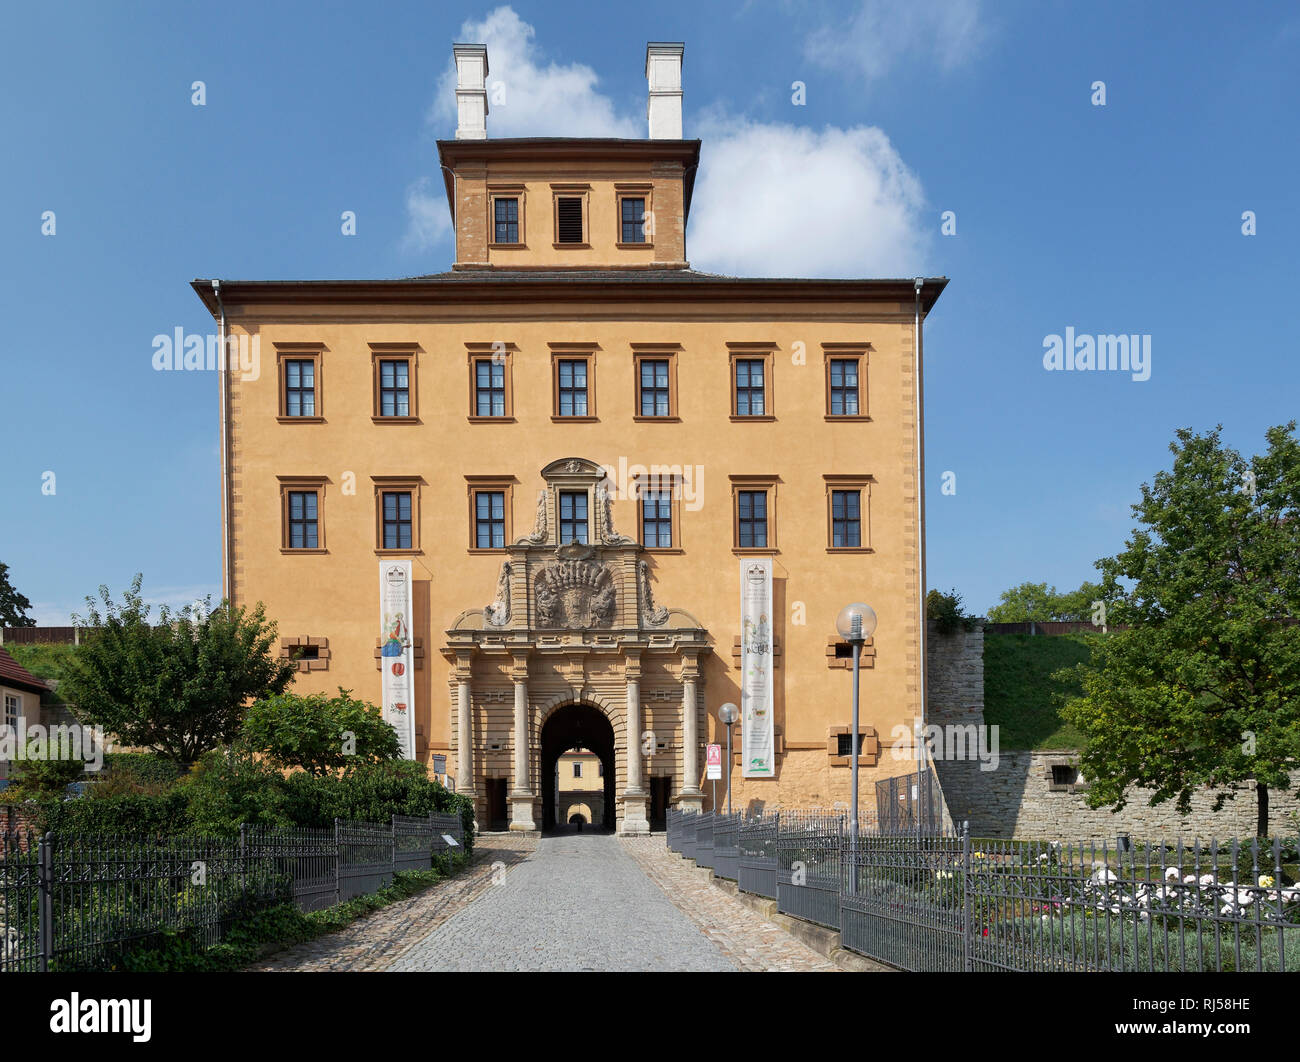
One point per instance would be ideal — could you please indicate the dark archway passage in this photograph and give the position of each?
(573, 726)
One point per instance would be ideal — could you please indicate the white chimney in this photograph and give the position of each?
(663, 70)
(471, 91)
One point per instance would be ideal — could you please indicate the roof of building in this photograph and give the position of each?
(534, 148)
(13, 674)
(494, 284)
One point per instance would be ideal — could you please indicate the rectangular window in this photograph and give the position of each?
(13, 710)
(489, 388)
(655, 391)
(489, 519)
(394, 388)
(303, 520)
(396, 519)
(572, 388)
(749, 387)
(573, 516)
(657, 519)
(844, 744)
(300, 387)
(751, 519)
(632, 215)
(568, 219)
(844, 387)
(505, 220)
(846, 518)
(577, 770)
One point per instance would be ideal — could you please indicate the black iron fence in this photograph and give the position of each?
(910, 802)
(704, 839)
(936, 900)
(808, 846)
(757, 863)
(726, 846)
(72, 902)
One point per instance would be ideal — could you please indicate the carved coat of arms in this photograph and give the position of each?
(574, 593)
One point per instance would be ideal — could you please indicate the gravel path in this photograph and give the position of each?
(579, 903)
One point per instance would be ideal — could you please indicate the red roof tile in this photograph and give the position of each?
(13, 673)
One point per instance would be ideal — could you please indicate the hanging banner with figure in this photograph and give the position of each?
(757, 738)
(395, 651)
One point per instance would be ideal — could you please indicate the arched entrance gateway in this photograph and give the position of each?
(573, 651)
(569, 727)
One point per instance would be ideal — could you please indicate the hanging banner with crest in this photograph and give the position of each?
(395, 599)
(757, 735)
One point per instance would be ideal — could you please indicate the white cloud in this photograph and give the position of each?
(778, 200)
(770, 199)
(540, 98)
(428, 219)
(881, 32)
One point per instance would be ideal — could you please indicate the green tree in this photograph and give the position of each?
(13, 605)
(1203, 688)
(947, 612)
(1040, 603)
(178, 688)
(319, 733)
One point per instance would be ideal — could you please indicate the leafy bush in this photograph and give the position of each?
(319, 733)
(231, 787)
(161, 814)
(39, 777)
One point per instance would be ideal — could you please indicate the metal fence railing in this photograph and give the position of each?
(909, 802)
(72, 902)
(689, 827)
(756, 866)
(940, 900)
(726, 846)
(808, 865)
(704, 839)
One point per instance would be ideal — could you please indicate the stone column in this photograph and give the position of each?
(464, 725)
(691, 798)
(521, 796)
(635, 796)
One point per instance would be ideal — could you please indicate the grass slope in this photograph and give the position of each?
(1018, 688)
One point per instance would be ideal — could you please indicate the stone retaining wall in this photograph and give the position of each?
(1022, 799)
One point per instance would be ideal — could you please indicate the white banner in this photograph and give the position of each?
(757, 738)
(395, 599)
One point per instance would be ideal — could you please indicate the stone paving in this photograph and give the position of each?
(742, 934)
(579, 903)
(585, 901)
(375, 942)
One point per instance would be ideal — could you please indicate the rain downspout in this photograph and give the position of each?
(223, 381)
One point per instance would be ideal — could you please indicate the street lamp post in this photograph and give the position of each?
(728, 713)
(856, 623)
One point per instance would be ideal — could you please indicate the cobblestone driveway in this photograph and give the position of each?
(579, 903)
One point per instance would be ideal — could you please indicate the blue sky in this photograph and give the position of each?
(1123, 218)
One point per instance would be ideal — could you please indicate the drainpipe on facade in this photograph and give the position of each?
(223, 382)
(919, 283)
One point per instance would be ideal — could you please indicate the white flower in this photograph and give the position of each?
(1190, 879)
(1172, 873)
(1206, 879)
(1227, 909)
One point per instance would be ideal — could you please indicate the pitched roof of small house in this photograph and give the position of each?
(14, 674)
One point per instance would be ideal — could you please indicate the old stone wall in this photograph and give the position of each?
(1025, 798)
